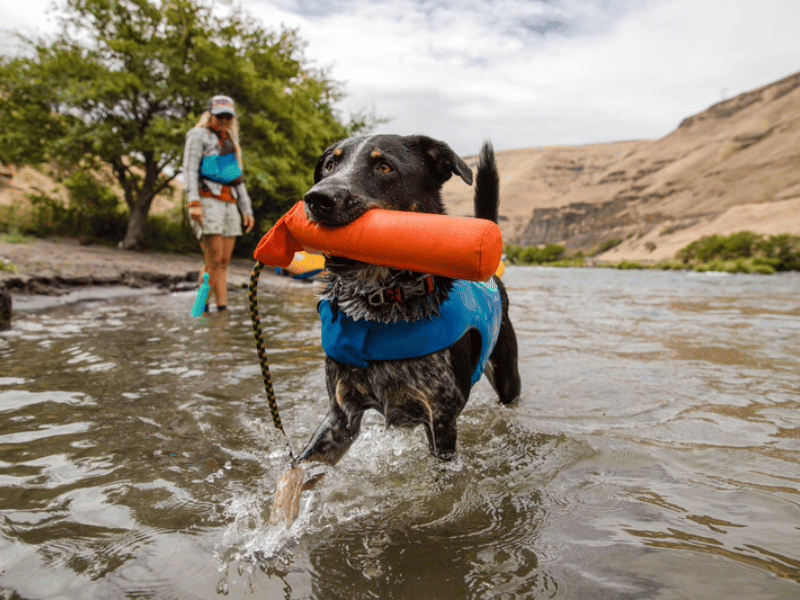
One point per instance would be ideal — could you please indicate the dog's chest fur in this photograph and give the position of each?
(351, 291)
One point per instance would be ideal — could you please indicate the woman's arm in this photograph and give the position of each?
(193, 155)
(245, 207)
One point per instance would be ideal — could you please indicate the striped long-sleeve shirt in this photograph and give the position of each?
(202, 142)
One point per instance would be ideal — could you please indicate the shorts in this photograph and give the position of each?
(219, 218)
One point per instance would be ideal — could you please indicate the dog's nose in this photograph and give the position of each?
(320, 201)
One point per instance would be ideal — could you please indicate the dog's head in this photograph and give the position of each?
(381, 171)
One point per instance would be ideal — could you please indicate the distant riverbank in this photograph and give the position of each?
(49, 272)
(53, 266)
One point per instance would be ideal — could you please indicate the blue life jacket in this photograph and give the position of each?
(471, 305)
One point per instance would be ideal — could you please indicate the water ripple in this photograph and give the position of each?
(653, 454)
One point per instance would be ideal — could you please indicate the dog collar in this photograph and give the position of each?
(401, 293)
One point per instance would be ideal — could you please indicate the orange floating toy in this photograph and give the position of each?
(457, 247)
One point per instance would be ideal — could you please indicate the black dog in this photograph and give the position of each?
(406, 174)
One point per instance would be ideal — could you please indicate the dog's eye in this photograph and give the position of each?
(329, 166)
(384, 168)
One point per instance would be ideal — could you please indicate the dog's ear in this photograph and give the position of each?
(442, 161)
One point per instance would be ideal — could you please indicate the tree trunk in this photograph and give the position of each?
(141, 207)
(137, 221)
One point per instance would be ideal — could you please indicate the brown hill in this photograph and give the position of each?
(18, 183)
(734, 166)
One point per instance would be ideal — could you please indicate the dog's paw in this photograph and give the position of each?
(286, 502)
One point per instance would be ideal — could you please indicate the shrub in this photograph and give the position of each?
(743, 251)
(608, 245)
(629, 264)
(534, 255)
(763, 269)
(553, 252)
(94, 208)
(12, 234)
(165, 235)
(740, 265)
(702, 250)
(785, 249)
(530, 256)
(7, 265)
(513, 253)
(670, 265)
(573, 261)
(48, 215)
(743, 244)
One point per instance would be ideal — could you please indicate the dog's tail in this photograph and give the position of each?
(487, 185)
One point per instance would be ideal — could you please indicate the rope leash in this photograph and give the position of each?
(252, 299)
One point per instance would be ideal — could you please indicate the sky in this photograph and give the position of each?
(529, 73)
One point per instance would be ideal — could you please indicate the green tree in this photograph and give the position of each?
(124, 80)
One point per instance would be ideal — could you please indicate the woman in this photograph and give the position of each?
(214, 195)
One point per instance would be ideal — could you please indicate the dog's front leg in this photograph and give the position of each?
(328, 444)
(333, 437)
(441, 431)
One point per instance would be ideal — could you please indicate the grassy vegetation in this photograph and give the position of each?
(554, 255)
(7, 265)
(608, 245)
(533, 255)
(93, 211)
(742, 252)
(12, 235)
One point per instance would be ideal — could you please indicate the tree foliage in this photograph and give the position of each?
(124, 80)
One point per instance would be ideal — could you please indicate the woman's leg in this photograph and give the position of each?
(221, 249)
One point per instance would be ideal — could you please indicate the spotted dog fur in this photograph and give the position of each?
(406, 174)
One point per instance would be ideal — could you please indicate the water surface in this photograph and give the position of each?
(654, 453)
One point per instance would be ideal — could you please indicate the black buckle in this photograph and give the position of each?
(422, 286)
(385, 296)
(376, 298)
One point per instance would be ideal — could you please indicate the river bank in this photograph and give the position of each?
(61, 263)
(51, 271)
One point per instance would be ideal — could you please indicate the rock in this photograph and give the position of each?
(5, 307)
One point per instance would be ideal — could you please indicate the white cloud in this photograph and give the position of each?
(613, 69)
(637, 76)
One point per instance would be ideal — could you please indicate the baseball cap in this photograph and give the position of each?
(222, 105)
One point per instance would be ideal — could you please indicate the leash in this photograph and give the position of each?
(252, 299)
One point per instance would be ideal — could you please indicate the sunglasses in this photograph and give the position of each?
(225, 116)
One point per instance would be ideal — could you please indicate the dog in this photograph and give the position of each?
(403, 173)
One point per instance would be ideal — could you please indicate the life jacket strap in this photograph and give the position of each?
(401, 293)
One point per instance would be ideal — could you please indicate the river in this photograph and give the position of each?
(655, 453)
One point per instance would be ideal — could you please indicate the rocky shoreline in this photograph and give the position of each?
(59, 285)
(58, 267)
